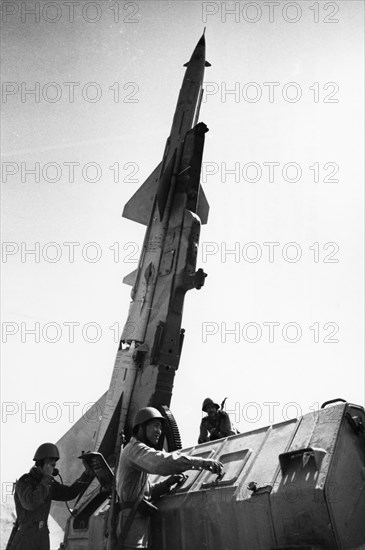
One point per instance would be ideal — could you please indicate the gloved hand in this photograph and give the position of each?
(164, 486)
(214, 466)
(88, 474)
(89, 464)
(215, 434)
(175, 479)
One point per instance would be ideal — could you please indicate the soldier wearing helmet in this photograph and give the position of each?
(216, 424)
(138, 459)
(33, 495)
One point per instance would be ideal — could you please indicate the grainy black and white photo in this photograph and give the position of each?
(182, 255)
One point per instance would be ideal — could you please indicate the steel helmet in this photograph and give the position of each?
(46, 450)
(145, 414)
(208, 402)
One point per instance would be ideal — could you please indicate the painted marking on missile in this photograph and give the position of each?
(149, 272)
(155, 244)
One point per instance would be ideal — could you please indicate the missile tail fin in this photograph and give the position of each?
(203, 207)
(130, 279)
(138, 208)
(81, 435)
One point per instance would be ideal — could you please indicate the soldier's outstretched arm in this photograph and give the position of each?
(69, 492)
(162, 463)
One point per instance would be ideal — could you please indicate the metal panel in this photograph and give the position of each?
(299, 510)
(252, 511)
(345, 484)
(307, 482)
(233, 464)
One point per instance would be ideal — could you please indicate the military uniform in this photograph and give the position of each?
(137, 460)
(211, 430)
(33, 495)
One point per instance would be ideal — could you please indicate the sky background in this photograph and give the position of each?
(296, 68)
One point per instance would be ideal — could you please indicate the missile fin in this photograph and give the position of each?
(130, 279)
(207, 64)
(203, 207)
(81, 435)
(138, 208)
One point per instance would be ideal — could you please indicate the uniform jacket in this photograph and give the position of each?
(137, 460)
(33, 495)
(220, 427)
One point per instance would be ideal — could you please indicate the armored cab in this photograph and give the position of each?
(297, 484)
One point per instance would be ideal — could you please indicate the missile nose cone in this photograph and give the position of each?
(202, 40)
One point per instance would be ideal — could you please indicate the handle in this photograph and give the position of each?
(316, 453)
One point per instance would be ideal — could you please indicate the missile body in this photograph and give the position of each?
(172, 205)
(165, 203)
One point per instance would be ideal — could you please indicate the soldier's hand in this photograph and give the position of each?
(47, 469)
(214, 466)
(215, 434)
(90, 465)
(176, 479)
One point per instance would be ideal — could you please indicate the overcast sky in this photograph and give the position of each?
(278, 326)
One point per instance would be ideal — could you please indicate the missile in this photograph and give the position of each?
(172, 206)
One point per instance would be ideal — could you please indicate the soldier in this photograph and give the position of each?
(33, 495)
(216, 424)
(138, 459)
